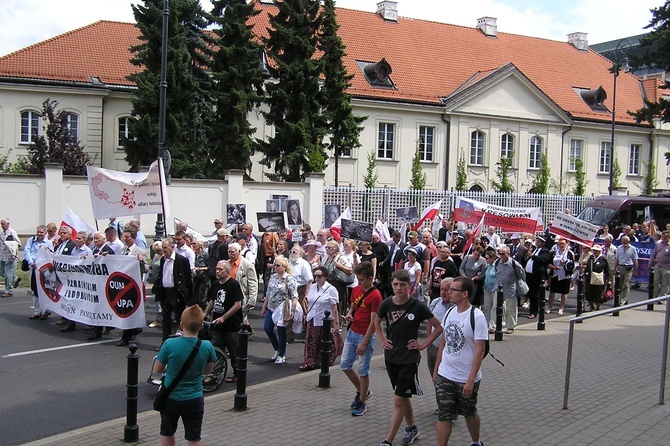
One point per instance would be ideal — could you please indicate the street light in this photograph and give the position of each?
(620, 50)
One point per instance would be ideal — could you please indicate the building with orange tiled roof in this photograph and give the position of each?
(448, 89)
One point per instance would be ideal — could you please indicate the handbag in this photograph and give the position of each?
(521, 285)
(286, 314)
(24, 265)
(164, 392)
(337, 276)
(597, 278)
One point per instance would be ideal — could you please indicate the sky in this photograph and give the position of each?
(26, 22)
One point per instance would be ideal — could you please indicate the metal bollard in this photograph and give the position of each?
(326, 345)
(617, 292)
(131, 431)
(650, 294)
(499, 314)
(542, 292)
(242, 363)
(580, 295)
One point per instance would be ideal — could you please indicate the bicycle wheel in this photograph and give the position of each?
(212, 382)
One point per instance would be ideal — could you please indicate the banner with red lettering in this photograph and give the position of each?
(105, 291)
(505, 218)
(574, 229)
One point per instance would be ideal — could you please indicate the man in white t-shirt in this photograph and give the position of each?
(457, 375)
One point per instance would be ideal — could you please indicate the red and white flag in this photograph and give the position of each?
(336, 227)
(382, 230)
(74, 222)
(428, 214)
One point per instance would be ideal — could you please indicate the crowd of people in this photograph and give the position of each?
(371, 290)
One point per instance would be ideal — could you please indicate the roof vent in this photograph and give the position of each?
(377, 74)
(388, 10)
(267, 2)
(594, 98)
(579, 41)
(488, 25)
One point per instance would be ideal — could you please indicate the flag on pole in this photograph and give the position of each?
(336, 228)
(74, 222)
(428, 214)
(382, 230)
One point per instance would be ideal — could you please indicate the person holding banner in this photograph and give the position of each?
(560, 279)
(129, 237)
(30, 255)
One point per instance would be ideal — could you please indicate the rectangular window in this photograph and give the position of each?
(345, 152)
(506, 145)
(634, 159)
(124, 132)
(575, 153)
(30, 125)
(535, 155)
(605, 163)
(385, 140)
(72, 124)
(477, 148)
(426, 140)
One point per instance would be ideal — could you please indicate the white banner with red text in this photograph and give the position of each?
(105, 291)
(574, 229)
(505, 218)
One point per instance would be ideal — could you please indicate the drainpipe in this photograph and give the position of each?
(446, 149)
(560, 177)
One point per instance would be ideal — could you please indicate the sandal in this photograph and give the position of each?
(231, 379)
(306, 368)
(547, 311)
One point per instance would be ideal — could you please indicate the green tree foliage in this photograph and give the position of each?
(58, 146)
(649, 182)
(580, 178)
(418, 179)
(237, 87)
(504, 185)
(371, 175)
(616, 174)
(543, 177)
(295, 99)
(343, 126)
(461, 174)
(189, 105)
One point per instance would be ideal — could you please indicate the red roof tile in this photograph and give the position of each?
(430, 60)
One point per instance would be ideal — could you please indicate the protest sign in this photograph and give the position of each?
(572, 228)
(506, 218)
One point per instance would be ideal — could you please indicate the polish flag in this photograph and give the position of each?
(74, 222)
(382, 230)
(428, 214)
(336, 228)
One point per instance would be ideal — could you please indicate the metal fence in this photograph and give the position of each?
(381, 203)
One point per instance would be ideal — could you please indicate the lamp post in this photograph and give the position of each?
(162, 151)
(620, 50)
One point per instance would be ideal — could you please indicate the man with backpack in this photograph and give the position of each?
(508, 272)
(457, 375)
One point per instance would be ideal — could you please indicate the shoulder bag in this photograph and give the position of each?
(339, 276)
(164, 392)
(521, 285)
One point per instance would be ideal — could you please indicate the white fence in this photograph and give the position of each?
(370, 204)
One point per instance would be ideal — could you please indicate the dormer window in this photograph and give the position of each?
(594, 98)
(378, 74)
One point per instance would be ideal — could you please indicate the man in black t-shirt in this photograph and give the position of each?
(442, 267)
(402, 350)
(225, 304)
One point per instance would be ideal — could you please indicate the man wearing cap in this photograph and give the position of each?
(660, 261)
(514, 244)
(626, 264)
(536, 273)
(218, 224)
(420, 248)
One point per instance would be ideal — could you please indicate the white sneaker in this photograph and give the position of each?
(275, 356)
(280, 360)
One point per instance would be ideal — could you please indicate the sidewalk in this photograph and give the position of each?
(613, 397)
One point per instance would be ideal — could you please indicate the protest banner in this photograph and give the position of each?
(506, 218)
(572, 228)
(104, 291)
(115, 193)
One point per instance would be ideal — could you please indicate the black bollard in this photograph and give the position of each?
(499, 314)
(650, 294)
(540, 306)
(326, 345)
(242, 363)
(580, 295)
(617, 292)
(131, 431)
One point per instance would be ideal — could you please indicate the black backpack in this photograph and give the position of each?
(487, 344)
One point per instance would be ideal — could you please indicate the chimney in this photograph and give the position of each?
(388, 10)
(579, 41)
(488, 26)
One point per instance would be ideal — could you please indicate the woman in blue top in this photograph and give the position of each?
(186, 400)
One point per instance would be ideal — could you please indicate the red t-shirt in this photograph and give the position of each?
(369, 305)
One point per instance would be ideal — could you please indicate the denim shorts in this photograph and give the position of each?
(349, 356)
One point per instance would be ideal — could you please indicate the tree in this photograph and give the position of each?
(580, 178)
(58, 146)
(461, 174)
(418, 179)
(188, 105)
(649, 182)
(237, 87)
(294, 100)
(371, 175)
(541, 181)
(616, 174)
(343, 126)
(502, 172)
